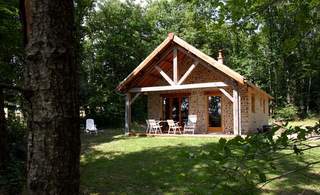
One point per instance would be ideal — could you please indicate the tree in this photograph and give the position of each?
(117, 40)
(51, 78)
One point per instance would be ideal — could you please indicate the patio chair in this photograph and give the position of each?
(90, 126)
(191, 124)
(148, 126)
(154, 127)
(173, 127)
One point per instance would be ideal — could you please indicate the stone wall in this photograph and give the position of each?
(259, 117)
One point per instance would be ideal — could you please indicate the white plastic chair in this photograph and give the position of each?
(148, 126)
(191, 124)
(173, 127)
(90, 126)
(154, 127)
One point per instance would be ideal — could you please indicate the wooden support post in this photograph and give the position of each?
(235, 111)
(175, 65)
(134, 98)
(239, 114)
(127, 113)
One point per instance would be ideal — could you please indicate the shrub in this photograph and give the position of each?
(13, 177)
(288, 113)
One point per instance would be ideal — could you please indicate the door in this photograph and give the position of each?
(175, 107)
(214, 113)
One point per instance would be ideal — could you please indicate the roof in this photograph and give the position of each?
(190, 49)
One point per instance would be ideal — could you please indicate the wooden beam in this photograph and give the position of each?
(195, 58)
(179, 87)
(127, 113)
(175, 65)
(134, 98)
(226, 94)
(239, 114)
(225, 69)
(165, 76)
(183, 78)
(146, 61)
(141, 74)
(235, 112)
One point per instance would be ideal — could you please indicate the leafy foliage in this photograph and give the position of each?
(274, 44)
(241, 161)
(289, 112)
(13, 177)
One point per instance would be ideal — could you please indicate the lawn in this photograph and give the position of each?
(112, 163)
(305, 122)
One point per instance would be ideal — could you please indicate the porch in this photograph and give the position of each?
(180, 80)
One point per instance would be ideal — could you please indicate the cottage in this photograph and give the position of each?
(180, 80)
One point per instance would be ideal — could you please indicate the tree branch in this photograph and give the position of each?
(7, 86)
(287, 173)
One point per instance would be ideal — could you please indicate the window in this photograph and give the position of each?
(253, 103)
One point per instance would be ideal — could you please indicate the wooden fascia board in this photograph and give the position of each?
(225, 69)
(146, 61)
(256, 88)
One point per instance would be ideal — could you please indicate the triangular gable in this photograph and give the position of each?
(209, 60)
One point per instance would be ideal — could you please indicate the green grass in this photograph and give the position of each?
(305, 122)
(112, 163)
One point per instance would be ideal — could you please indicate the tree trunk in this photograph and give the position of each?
(3, 132)
(51, 77)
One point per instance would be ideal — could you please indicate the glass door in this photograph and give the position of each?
(214, 113)
(175, 107)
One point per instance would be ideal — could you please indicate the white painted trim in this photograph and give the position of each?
(179, 87)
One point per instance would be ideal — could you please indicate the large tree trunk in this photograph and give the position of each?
(51, 77)
(3, 132)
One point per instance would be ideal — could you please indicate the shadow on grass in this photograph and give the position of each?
(104, 136)
(174, 169)
(304, 181)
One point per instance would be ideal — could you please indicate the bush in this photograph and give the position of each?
(288, 113)
(13, 177)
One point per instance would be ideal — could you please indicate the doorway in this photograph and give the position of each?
(175, 107)
(214, 112)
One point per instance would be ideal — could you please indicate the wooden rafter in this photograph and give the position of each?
(146, 61)
(133, 78)
(236, 76)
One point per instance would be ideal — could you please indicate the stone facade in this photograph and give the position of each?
(198, 101)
